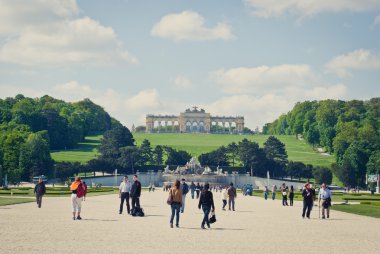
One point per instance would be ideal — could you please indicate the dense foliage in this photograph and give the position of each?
(348, 129)
(31, 127)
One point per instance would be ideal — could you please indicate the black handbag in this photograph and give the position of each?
(212, 217)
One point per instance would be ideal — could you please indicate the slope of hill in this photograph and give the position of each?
(196, 144)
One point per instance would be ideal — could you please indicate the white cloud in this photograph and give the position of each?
(376, 21)
(263, 78)
(59, 38)
(182, 82)
(275, 8)
(189, 25)
(258, 110)
(361, 59)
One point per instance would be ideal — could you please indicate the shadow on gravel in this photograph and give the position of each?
(98, 220)
(227, 229)
(154, 215)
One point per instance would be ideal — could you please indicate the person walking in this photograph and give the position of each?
(231, 197)
(176, 197)
(291, 195)
(124, 191)
(77, 193)
(135, 192)
(307, 201)
(284, 190)
(192, 189)
(39, 191)
(274, 189)
(324, 195)
(197, 189)
(185, 190)
(266, 192)
(224, 196)
(206, 201)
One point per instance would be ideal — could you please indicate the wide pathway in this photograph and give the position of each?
(257, 226)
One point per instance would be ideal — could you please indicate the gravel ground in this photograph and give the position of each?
(257, 226)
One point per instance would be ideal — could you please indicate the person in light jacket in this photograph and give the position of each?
(224, 196)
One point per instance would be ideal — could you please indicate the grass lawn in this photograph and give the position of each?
(85, 152)
(360, 209)
(12, 201)
(196, 144)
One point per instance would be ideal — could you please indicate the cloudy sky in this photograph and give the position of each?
(255, 58)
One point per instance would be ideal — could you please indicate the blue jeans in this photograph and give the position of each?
(206, 212)
(273, 195)
(175, 209)
(266, 195)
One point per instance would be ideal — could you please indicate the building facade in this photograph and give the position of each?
(194, 121)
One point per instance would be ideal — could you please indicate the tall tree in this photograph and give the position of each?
(158, 155)
(146, 153)
(113, 140)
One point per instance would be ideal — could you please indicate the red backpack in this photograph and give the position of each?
(81, 191)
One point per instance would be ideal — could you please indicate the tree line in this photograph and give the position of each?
(350, 130)
(31, 127)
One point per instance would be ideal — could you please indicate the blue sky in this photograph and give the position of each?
(255, 58)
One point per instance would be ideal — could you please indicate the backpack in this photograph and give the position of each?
(81, 191)
(138, 211)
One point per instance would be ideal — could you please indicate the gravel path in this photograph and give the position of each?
(256, 226)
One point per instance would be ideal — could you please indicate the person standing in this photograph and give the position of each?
(231, 197)
(284, 190)
(266, 192)
(197, 189)
(135, 192)
(192, 189)
(124, 191)
(39, 191)
(185, 190)
(224, 197)
(291, 195)
(176, 196)
(274, 189)
(325, 195)
(307, 201)
(77, 193)
(206, 201)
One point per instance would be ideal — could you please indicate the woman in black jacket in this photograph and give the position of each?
(206, 201)
(307, 200)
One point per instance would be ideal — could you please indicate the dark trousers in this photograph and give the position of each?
(135, 202)
(306, 208)
(224, 203)
(291, 200)
(206, 212)
(197, 193)
(124, 196)
(284, 200)
(192, 194)
(39, 200)
(175, 211)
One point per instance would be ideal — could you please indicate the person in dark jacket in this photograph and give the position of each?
(206, 201)
(291, 195)
(39, 191)
(197, 189)
(307, 200)
(135, 192)
(192, 189)
(185, 189)
(231, 197)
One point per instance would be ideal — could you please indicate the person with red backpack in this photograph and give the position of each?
(78, 191)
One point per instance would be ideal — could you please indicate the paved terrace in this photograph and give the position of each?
(257, 226)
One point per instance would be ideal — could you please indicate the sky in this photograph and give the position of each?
(254, 58)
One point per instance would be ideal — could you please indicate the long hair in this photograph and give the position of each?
(177, 183)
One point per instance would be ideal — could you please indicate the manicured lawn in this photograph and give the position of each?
(197, 144)
(360, 209)
(85, 152)
(12, 201)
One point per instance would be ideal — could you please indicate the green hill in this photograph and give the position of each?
(196, 144)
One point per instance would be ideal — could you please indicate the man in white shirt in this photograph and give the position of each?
(124, 190)
(325, 195)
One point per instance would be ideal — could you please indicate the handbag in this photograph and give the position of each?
(170, 198)
(212, 217)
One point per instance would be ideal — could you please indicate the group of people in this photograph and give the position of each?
(177, 200)
(128, 191)
(324, 200)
